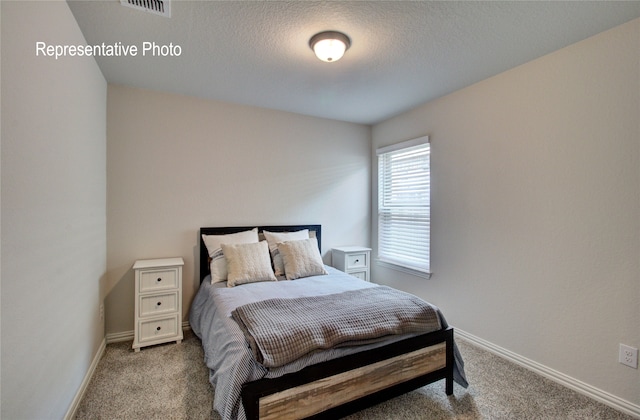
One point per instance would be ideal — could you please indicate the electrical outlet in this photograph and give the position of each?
(628, 356)
(101, 312)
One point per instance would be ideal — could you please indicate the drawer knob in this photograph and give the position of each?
(357, 261)
(159, 303)
(159, 279)
(158, 329)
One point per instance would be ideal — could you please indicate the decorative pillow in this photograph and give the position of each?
(218, 263)
(248, 263)
(301, 258)
(273, 238)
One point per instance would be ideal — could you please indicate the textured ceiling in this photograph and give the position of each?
(403, 53)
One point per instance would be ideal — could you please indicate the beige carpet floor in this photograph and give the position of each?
(170, 381)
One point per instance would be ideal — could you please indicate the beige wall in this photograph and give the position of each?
(536, 208)
(53, 212)
(178, 163)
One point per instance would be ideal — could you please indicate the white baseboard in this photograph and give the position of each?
(128, 335)
(71, 413)
(590, 391)
(120, 336)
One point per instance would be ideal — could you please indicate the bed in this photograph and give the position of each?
(326, 383)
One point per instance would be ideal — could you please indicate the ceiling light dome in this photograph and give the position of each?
(329, 46)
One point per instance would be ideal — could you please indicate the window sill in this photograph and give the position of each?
(403, 269)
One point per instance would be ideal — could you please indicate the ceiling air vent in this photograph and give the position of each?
(158, 7)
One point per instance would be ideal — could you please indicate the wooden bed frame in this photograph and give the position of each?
(339, 387)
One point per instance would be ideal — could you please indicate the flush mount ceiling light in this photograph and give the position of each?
(329, 46)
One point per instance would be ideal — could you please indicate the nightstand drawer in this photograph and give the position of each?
(357, 261)
(153, 280)
(352, 260)
(158, 304)
(362, 275)
(156, 329)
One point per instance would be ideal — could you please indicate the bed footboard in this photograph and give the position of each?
(342, 386)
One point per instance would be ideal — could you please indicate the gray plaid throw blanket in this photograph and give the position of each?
(281, 330)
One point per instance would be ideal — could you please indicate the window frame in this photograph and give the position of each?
(384, 260)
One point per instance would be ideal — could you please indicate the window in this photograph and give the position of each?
(404, 212)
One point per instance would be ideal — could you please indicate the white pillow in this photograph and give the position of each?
(273, 238)
(248, 263)
(301, 258)
(218, 264)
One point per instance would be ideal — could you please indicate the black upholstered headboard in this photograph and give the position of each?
(204, 255)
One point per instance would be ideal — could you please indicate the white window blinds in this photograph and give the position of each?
(404, 190)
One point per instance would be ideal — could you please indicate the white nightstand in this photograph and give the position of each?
(352, 260)
(158, 301)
